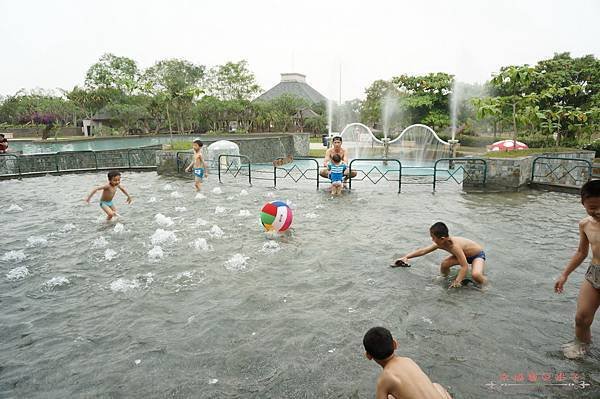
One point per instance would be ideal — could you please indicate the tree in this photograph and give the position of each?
(370, 112)
(112, 72)
(178, 82)
(232, 81)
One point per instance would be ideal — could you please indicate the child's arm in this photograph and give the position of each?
(190, 165)
(419, 252)
(129, 199)
(578, 257)
(459, 254)
(89, 197)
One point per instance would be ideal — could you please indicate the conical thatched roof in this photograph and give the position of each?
(294, 84)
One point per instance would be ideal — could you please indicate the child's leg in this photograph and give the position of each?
(447, 264)
(109, 212)
(587, 304)
(197, 183)
(477, 271)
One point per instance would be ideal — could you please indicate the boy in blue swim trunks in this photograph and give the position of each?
(108, 193)
(463, 252)
(336, 173)
(200, 169)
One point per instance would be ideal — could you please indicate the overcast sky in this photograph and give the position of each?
(51, 44)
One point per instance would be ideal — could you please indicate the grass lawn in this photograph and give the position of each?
(317, 153)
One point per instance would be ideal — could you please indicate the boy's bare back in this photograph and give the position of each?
(469, 247)
(403, 378)
(590, 229)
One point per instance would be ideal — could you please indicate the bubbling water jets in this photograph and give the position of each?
(161, 236)
(163, 220)
(16, 256)
(156, 253)
(237, 262)
(390, 112)
(454, 100)
(18, 273)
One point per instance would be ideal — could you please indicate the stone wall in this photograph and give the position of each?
(511, 174)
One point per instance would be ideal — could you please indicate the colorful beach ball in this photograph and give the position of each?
(276, 216)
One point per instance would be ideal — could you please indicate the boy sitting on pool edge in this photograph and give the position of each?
(401, 376)
(462, 252)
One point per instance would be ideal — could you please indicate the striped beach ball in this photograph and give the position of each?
(276, 216)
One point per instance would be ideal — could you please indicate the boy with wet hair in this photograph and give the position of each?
(200, 169)
(336, 174)
(589, 293)
(401, 376)
(108, 193)
(463, 252)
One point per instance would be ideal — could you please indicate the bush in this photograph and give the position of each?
(593, 146)
(539, 141)
(474, 141)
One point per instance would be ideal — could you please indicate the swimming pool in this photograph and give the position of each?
(95, 309)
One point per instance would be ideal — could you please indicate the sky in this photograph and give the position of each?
(51, 44)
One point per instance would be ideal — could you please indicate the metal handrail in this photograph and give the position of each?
(589, 165)
(229, 166)
(399, 170)
(484, 161)
(288, 171)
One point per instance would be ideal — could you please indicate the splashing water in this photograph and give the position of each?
(219, 210)
(124, 285)
(311, 216)
(216, 232)
(244, 213)
(99, 243)
(163, 220)
(201, 244)
(167, 187)
(180, 209)
(119, 228)
(217, 190)
(16, 256)
(67, 228)
(155, 253)
(15, 208)
(200, 222)
(161, 236)
(57, 281)
(270, 247)
(110, 254)
(151, 200)
(37, 242)
(17, 273)
(200, 196)
(243, 193)
(176, 194)
(237, 262)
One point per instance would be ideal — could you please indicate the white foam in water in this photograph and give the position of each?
(99, 243)
(244, 213)
(57, 281)
(270, 247)
(163, 220)
(119, 228)
(176, 194)
(201, 244)
(311, 216)
(110, 254)
(237, 262)
(124, 285)
(319, 206)
(14, 208)
(216, 232)
(243, 193)
(14, 256)
(200, 196)
(426, 320)
(219, 209)
(167, 187)
(67, 228)
(269, 195)
(161, 236)
(151, 200)
(138, 361)
(155, 253)
(17, 273)
(200, 222)
(290, 204)
(212, 380)
(217, 190)
(36, 241)
(180, 209)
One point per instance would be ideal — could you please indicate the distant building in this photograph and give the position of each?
(294, 84)
(92, 125)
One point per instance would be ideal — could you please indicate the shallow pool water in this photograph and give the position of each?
(186, 296)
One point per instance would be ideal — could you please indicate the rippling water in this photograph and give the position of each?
(186, 296)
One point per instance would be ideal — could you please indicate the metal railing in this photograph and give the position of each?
(236, 169)
(296, 169)
(73, 162)
(453, 170)
(381, 175)
(558, 171)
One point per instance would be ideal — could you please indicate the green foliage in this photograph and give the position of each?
(112, 72)
(232, 81)
(538, 141)
(527, 152)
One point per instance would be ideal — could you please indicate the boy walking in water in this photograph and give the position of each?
(198, 164)
(108, 193)
(462, 252)
(336, 174)
(401, 377)
(589, 293)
